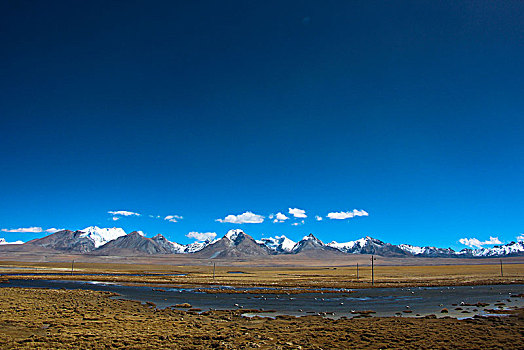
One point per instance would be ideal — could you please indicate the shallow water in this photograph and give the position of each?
(384, 301)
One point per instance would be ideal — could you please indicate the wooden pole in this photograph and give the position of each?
(213, 271)
(372, 271)
(72, 267)
(357, 271)
(501, 272)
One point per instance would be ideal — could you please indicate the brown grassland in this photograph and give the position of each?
(307, 276)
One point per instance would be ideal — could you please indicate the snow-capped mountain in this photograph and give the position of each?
(233, 235)
(278, 244)
(197, 246)
(177, 248)
(169, 246)
(101, 236)
(368, 245)
(311, 244)
(132, 244)
(432, 252)
(235, 244)
(510, 249)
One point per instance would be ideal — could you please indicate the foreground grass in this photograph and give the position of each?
(60, 319)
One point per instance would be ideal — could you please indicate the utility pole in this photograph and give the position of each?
(72, 267)
(372, 271)
(357, 271)
(213, 271)
(501, 272)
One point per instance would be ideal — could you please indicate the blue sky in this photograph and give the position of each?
(409, 110)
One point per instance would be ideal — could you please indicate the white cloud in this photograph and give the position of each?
(520, 238)
(319, 218)
(53, 230)
(123, 213)
(279, 217)
(298, 213)
(475, 243)
(298, 223)
(245, 218)
(341, 215)
(24, 229)
(115, 218)
(173, 218)
(201, 236)
(3, 242)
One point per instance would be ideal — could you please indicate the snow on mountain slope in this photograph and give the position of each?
(232, 235)
(197, 246)
(347, 246)
(278, 243)
(101, 236)
(513, 248)
(355, 246)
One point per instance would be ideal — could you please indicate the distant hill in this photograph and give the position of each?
(235, 244)
(133, 244)
(82, 241)
(368, 245)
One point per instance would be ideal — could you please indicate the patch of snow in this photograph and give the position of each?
(278, 243)
(351, 245)
(101, 236)
(232, 235)
(412, 249)
(197, 246)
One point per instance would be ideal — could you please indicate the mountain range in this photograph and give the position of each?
(237, 244)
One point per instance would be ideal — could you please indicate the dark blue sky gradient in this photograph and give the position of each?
(410, 110)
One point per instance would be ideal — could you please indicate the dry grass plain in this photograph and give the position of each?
(286, 275)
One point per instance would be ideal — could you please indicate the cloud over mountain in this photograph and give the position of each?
(279, 217)
(32, 229)
(123, 213)
(342, 215)
(245, 218)
(298, 213)
(476, 243)
(201, 236)
(173, 218)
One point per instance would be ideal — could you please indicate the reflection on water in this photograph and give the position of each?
(384, 301)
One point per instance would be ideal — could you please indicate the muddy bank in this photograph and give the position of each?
(41, 318)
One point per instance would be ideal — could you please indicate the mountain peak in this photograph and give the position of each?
(310, 237)
(101, 236)
(232, 235)
(279, 244)
(137, 233)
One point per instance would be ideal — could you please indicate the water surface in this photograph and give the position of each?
(384, 301)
